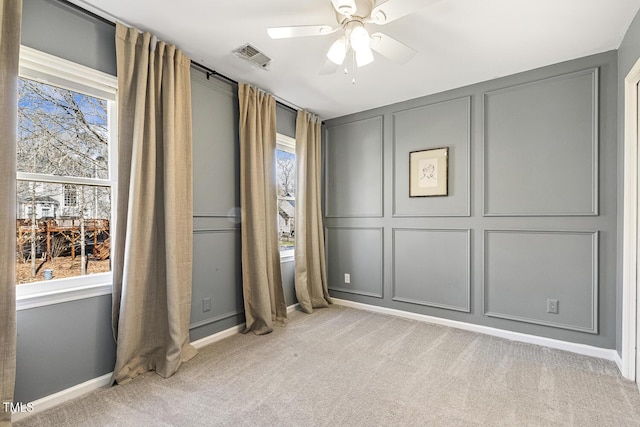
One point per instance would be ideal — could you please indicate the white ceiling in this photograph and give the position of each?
(459, 42)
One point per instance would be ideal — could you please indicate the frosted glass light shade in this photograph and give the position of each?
(337, 51)
(359, 38)
(364, 57)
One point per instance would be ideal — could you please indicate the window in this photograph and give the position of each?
(66, 162)
(286, 193)
(70, 196)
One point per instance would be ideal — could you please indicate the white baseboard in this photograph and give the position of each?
(587, 350)
(618, 361)
(202, 342)
(229, 332)
(293, 307)
(94, 384)
(62, 396)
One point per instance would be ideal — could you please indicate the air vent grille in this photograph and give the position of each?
(253, 54)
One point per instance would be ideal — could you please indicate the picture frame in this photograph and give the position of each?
(429, 172)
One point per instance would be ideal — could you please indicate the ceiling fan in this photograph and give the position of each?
(352, 16)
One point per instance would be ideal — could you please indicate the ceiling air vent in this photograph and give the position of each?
(252, 54)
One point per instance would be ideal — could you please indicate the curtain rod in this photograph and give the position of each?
(208, 71)
(213, 73)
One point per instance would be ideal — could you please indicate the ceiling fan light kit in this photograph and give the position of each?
(351, 17)
(359, 41)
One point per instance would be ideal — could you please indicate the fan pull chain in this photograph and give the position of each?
(353, 66)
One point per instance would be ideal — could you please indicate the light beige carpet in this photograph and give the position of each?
(346, 367)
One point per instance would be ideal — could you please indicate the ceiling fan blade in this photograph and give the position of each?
(300, 31)
(391, 48)
(394, 9)
(328, 68)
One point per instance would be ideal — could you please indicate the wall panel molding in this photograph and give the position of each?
(214, 215)
(216, 275)
(445, 268)
(351, 291)
(541, 168)
(216, 148)
(363, 249)
(215, 319)
(458, 202)
(553, 268)
(215, 230)
(541, 157)
(354, 169)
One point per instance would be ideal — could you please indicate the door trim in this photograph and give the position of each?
(630, 224)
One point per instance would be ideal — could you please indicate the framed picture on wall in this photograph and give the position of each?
(428, 172)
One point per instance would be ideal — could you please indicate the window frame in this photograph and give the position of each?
(70, 198)
(55, 71)
(288, 144)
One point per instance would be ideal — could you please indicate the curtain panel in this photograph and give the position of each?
(154, 231)
(310, 264)
(10, 21)
(261, 276)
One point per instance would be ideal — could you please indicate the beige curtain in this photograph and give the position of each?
(10, 20)
(311, 272)
(261, 277)
(153, 253)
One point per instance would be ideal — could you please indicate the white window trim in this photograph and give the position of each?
(285, 143)
(287, 255)
(49, 69)
(288, 144)
(63, 290)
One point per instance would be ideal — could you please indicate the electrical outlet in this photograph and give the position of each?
(552, 306)
(347, 278)
(206, 304)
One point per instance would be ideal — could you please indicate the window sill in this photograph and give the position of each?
(287, 256)
(43, 297)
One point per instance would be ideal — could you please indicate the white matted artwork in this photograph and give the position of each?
(428, 172)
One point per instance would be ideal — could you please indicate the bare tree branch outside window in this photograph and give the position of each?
(286, 191)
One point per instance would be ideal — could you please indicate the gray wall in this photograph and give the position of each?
(60, 30)
(62, 345)
(216, 197)
(217, 268)
(531, 213)
(628, 55)
(285, 121)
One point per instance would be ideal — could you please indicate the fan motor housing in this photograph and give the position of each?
(363, 9)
